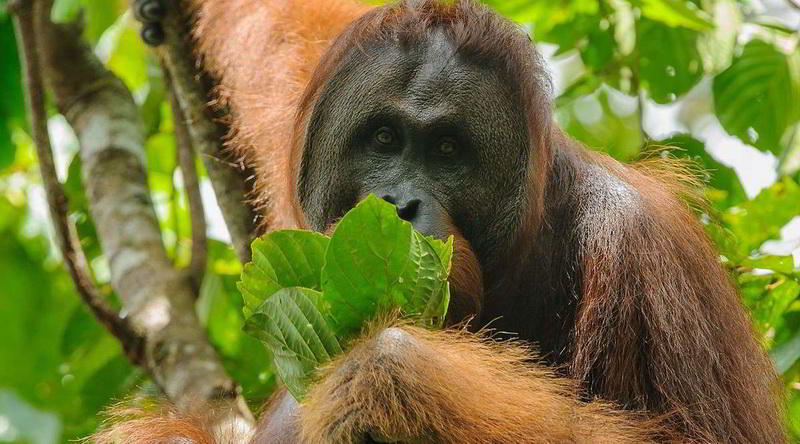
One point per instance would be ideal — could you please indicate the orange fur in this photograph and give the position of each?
(130, 425)
(657, 326)
(406, 384)
(263, 52)
(679, 315)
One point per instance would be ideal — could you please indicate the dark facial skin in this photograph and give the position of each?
(439, 136)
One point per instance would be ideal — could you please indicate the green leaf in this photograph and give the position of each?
(129, 57)
(762, 218)
(584, 33)
(605, 120)
(65, 11)
(717, 47)
(781, 264)
(425, 279)
(26, 423)
(677, 13)
(82, 330)
(12, 111)
(670, 63)
(300, 339)
(543, 14)
(287, 258)
(219, 308)
(373, 261)
(366, 258)
(790, 157)
(100, 16)
(756, 97)
(8, 150)
(114, 377)
(768, 296)
(376, 262)
(786, 354)
(153, 105)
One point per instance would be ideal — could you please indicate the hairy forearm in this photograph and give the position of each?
(411, 385)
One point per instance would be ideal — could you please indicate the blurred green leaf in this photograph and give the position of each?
(761, 218)
(785, 355)
(584, 33)
(97, 16)
(161, 153)
(7, 149)
(129, 59)
(756, 97)
(717, 47)
(81, 329)
(116, 376)
(562, 34)
(216, 310)
(73, 186)
(53, 351)
(25, 423)
(793, 412)
(790, 157)
(774, 25)
(606, 120)
(12, 111)
(768, 296)
(781, 264)
(584, 86)
(154, 107)
(222, 259)
(219, 307)
(677, 13)
(100, 16)
(543, 14)
(670, 64)
(65, 11)
(79, 210)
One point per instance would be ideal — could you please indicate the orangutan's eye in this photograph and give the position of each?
(385, 136)
(447, 147)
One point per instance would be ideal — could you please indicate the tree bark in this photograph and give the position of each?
(158, 301)
(229, 177)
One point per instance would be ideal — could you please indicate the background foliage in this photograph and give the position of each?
(718, 80)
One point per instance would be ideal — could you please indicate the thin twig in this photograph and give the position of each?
(197, 265)
(230, 185)
(65, 233)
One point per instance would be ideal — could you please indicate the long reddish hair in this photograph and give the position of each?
(479, 35)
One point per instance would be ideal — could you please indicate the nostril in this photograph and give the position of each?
(409, 210)
(388, 198)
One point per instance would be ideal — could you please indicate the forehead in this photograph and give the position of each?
(425, 81)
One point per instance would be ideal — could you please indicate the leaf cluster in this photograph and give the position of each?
(306, 295)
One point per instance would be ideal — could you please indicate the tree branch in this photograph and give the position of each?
(65, 234)
(158, 300)
(197, 266)
(228, 177)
